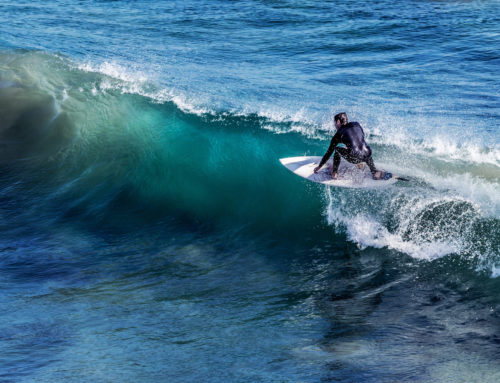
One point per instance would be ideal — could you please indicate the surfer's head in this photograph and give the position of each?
(340, 119)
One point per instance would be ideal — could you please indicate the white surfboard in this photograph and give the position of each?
(349, 175)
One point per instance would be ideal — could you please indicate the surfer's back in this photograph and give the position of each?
(352, 136)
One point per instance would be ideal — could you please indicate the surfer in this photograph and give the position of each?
(356, 151)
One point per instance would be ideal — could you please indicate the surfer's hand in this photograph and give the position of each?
(316, 169)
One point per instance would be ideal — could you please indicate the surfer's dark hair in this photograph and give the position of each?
(342, 117)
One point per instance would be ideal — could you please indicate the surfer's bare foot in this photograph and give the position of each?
(378, 175)
(335, 175)
(360, 165)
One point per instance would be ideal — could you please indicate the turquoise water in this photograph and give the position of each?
(149, 232)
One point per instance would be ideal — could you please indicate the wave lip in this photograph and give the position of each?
(442, 148)
(126, 80)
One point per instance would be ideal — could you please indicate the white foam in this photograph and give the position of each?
(302, 129)
(114, 70)
(368, 230)
(482, 191)
(465, 151)
(495, 271)
(131, 81)
(444, 148)
(275, 114)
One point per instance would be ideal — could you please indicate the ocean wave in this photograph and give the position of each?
(448, 148)
(121, 140)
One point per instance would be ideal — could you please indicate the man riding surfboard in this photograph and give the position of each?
(356, 151)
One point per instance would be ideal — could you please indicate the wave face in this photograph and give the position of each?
(149, 232)
(92, 144)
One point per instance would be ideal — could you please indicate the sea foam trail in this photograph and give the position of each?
(404, 224)
(425, 223)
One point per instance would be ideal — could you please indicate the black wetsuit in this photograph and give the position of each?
(356, 151)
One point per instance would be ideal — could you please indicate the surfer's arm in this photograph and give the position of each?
(333, 144)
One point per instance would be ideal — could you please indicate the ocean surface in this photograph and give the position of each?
(150, 234)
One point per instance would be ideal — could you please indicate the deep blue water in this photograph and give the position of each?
(149, 232)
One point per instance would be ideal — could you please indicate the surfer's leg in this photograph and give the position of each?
(371, 165)
(336, 161)
(346, 154)
(376, 174)
(336, 158)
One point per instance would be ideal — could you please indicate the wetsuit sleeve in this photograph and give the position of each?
(335, 141)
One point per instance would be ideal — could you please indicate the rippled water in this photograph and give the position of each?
(149, 232)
